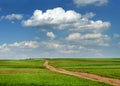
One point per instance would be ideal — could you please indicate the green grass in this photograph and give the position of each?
(45, 79)
(21, 63)
(32, 73)
(104, 67)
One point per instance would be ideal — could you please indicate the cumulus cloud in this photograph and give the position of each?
(58, 47)
(13, 16)
(56, 18)
(51, 35)
(90, 2)
(70, 49)
(89, 15)
(92, 36)
(60, 19)
(82, 34)
(19, 50)
(19, 45)
(27, 49)
(25, 44)
(73, 36)
(94, 39)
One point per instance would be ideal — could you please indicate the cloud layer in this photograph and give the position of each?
(78, 35)
(60, 19)
(34, 49)
(13, 17)
(83, 35)
(81, 29)
(90, 2)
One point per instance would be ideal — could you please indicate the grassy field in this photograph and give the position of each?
(32, 73)
(104, 67)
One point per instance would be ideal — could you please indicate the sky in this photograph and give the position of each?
(59, 29)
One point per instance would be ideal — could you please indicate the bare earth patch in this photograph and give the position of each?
(93, 77)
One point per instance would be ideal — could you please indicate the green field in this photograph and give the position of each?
(32, 73)
(104, 67)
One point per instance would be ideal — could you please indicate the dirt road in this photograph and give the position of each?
(115, 82)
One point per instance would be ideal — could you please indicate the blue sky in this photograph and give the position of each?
(59, 28)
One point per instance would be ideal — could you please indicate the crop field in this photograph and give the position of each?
(31, 72)
(103, 67)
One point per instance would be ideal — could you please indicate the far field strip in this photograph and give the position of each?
(93, 77)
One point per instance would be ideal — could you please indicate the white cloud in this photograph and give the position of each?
(19, 45)
(73, 36)
(60, 19)
(70, 50)
(4, 48)
(51, 35)
(78, 36)
(25, 44)
(82, 36)
(82, 29)
(92, 36)
(52, 45)
(27, 49)
(92, 26)
(89, 15)
(90, 2)
(19, 50)
(93, 39)
(116, 35)
(13, 16)
(99, 24)
(56, 18)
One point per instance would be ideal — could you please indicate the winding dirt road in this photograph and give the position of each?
(115, 82)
